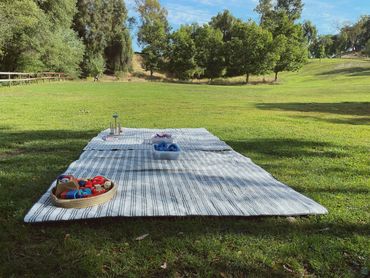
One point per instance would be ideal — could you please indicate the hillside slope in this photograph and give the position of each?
(315, 69)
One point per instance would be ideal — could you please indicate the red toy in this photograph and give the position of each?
(98, 180)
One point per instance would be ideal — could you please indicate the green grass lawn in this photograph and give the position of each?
(311, 132)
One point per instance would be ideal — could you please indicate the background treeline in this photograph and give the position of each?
(226, 46)
(89, 37)
(84, 37)
(351, 38)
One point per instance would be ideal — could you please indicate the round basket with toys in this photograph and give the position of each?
(71, 192)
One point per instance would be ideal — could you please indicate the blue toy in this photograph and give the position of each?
(84, 192)
(82, 182)
(173, 148)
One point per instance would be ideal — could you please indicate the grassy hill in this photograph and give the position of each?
(311, 131)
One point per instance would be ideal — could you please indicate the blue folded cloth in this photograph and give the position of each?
(164, 147)
(173, 148)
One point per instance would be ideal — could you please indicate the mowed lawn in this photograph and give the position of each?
(311, 131)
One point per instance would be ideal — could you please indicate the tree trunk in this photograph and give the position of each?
(151, 73)
(247, 78)
(276, 76)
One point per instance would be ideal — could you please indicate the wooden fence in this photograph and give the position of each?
(13, 78)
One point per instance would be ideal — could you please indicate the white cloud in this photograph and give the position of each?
(183, 14)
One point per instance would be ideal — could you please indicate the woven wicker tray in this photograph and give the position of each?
(83, 202)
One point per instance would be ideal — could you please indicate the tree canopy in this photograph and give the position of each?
(153, 34)
(91, 37)
(36, 36)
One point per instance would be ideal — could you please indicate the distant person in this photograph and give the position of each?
(96, 78)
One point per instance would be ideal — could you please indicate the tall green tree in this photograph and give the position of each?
(252, 48)
(281, 23)
(153, 33)
(309, 31)
(102, 26)
(264, 9)
(225, 22)
(209, 51)
(181, 54)
(38, 37)
(293, 55)
(367, 48)
(91, 23)
(293, 8)
(118, 52)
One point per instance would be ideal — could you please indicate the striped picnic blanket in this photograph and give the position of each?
(139, 139)
(201, 182)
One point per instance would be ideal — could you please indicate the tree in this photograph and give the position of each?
(209, 51)
(118, 52)
(60, 13)
(153, 33)
(292, 8)
(224, 22)
(264, 8)
(309, 31)
(38, 37)
(91, 23)
(293, 47)
(102, 26)
(292, 56)
(252, 50)
(181, 54)
(367, 48)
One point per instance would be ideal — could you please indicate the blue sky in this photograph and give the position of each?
(327, 15)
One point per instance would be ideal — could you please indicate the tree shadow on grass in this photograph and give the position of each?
(30, 160)
(340, 108)
(351, 71)
(275, 153)
(347, 121)
(287, 148)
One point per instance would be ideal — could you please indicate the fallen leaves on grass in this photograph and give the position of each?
(164, 265)
(141, 237)
(291, 219)
(287, 268)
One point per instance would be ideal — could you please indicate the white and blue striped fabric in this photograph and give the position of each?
(205, 180)
(139, 139)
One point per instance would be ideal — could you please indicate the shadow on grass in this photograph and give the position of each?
(287, 148)
(347, 121)
(276, 152)
(352, 71)
(30, 160)
(340, 108)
